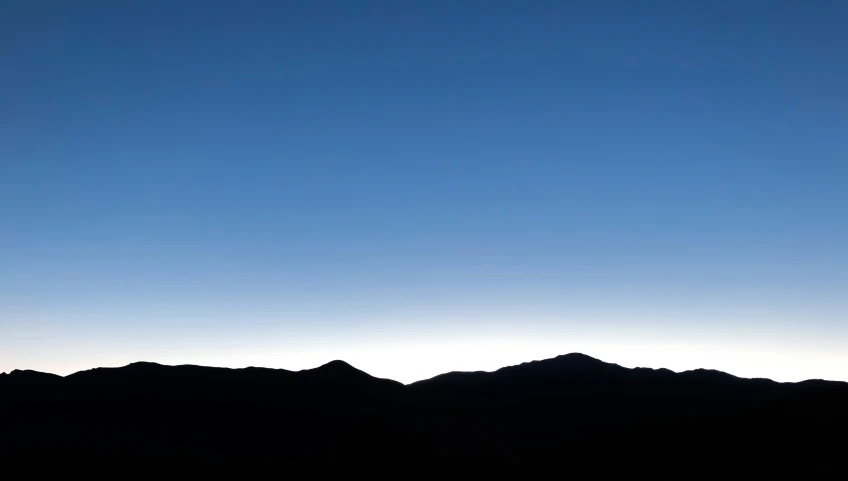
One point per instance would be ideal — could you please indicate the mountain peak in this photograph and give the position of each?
(28, 376)
(576, 361)
(579, 357)
(337, 366)
(143, 365)
(336, 370)
(708, 374)
(572, 362)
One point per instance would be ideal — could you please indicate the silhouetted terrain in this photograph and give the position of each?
(568, 416)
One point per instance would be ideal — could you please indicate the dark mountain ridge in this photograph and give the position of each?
(335, 418)
(572, 363)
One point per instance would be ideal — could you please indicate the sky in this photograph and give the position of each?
(425, 186)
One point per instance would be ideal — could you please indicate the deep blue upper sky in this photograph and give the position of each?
(237, 181)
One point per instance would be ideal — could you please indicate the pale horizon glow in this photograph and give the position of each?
(410, 363)
(422, 355)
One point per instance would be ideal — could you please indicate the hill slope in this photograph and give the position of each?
(595, 417)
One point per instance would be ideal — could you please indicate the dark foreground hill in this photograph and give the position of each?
(571, 416)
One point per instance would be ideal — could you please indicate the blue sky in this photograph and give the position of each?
(418, 187)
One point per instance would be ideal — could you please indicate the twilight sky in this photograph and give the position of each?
(424, 186)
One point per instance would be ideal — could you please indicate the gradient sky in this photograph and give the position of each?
(424, 186)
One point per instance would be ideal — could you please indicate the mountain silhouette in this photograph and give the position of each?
(28, 377)
(573, 413)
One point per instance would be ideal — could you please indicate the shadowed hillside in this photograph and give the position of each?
(573, 412)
